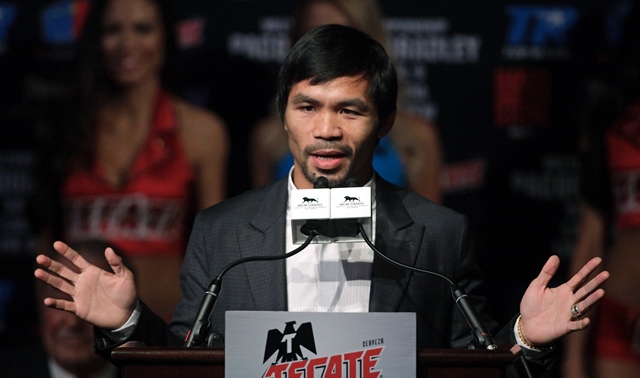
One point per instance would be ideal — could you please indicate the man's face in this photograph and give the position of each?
(333, 130)
(67, 338)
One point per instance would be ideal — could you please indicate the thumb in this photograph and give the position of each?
(114, 261)
(548, 271)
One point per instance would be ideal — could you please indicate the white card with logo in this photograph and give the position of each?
(351, 202)
(310, 204)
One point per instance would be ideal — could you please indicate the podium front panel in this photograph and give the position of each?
(307, 344)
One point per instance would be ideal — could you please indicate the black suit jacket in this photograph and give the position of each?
(409, 229)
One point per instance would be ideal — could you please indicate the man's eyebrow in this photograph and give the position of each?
(356, 102)
(301, 98)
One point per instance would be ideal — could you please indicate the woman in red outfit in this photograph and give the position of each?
(610, 206)
(143, 160)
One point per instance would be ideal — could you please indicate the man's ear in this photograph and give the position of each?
(387, 125)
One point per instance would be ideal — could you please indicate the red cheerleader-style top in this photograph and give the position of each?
(147, 215)
(623, 149)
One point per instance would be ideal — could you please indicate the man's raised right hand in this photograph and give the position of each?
(102, 298)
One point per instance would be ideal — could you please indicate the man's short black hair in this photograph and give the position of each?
(329, 52)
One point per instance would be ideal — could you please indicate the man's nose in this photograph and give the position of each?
(327, 126)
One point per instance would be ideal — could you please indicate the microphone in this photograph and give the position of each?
(481, 336)
(321, 183)
(332, 228)
(332, 212)
(199, 331)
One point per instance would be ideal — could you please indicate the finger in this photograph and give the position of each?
(71, 255)
(548, 271)
(114, 261)
(57, 268)
(579, 324)
(583, 273)
(60, 304)
(54, 281)
(591, 286)
(590, 301)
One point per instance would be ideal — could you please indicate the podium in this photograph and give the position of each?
(164, 362)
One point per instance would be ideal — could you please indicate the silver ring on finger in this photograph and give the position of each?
(575, 312)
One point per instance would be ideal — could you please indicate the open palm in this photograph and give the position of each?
(545, 311)
(102, 298)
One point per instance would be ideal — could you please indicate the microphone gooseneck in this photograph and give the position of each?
(199, 331)
(482, 336)
(199, 334)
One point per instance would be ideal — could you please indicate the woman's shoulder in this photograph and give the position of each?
(203, 130)
(269, 132)
(195, 116)
(411, 127)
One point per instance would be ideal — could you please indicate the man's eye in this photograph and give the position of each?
(144, 28)
(110, 29)
(307, 108)
(350, 112)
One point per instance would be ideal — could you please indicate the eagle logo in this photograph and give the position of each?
(289, 342)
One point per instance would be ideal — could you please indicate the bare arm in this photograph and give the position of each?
(207, 144)
(426, 179)
(268, 142)
(590, 240)
(419, 145)
(589, 244)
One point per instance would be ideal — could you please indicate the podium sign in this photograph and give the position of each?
(320, 345)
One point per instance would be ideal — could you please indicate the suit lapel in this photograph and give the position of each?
(265, 236)
(398, 238)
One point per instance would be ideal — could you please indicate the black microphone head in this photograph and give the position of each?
(352, 182)
(321, 182)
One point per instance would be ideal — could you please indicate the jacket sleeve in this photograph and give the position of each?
(149, 329)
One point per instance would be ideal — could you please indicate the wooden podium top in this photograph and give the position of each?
(160, 362)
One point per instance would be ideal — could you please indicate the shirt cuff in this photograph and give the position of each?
(125, 331)
(527, 349)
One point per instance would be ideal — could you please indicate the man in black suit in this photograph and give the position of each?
(336, 97)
